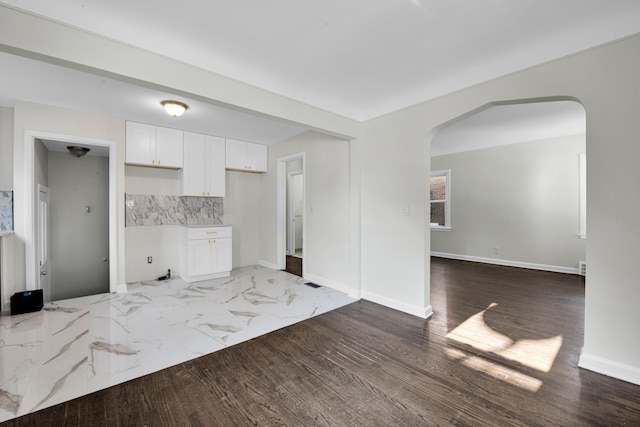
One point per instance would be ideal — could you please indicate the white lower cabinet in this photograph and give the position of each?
(205, 253)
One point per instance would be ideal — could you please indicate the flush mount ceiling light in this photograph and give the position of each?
(174, 108)
(78, 151)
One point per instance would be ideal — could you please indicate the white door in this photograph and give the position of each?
(43, 242)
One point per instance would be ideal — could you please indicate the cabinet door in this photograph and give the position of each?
(236, 155)
(141, 144)
(257, 157)
(169, 149)
(200, 256)
(216, 160)
(195, 165)
(222, 255)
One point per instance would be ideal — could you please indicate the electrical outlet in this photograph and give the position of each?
(149, 259)
(496, 251)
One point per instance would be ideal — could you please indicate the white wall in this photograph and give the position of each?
(243, 211)
(520, 198)
(6, 184)
(79, 240)
(161, 242)
(6, 149)
(327, 216)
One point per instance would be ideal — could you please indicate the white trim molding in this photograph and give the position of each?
(610, 368)
(508, 263)
(414, 310)
(268, 264)
(342, 287)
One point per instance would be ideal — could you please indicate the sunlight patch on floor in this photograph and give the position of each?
(476, 337)
(497, 371)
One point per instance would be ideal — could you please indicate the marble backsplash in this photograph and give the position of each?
(173, 210)
(6, 211)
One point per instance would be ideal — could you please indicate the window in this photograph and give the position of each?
(440, 196)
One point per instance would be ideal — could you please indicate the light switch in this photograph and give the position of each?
(407, 210)
(87, 209)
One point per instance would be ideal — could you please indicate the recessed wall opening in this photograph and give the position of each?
(514, 176)
(291, 209)
(70, 216)
(77, 238)
(508, 188)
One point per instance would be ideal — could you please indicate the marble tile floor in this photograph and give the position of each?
(77, 346)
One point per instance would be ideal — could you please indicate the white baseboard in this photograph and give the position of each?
(332, 284)
(508, 263)
(268, 265)
(610, 368)
(122, 288)
(414, 310)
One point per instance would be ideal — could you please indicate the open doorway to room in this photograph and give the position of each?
(79, 219)
(72, 242)
(508, 189)
(291, 213)
(295, 213)
(512, 174)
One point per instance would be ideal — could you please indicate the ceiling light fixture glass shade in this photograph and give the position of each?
(78, 151)
(174, 108)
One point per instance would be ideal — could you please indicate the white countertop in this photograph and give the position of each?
(5, 233)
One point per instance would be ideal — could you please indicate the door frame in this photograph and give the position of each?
(30, 191)
(46, 290)
(281, 202)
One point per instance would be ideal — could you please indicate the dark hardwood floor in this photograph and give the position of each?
(294, 265)
(486, 358)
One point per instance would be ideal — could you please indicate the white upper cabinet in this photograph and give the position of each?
(203, 173)
(169, 147)
(246, 156)
(149, 145)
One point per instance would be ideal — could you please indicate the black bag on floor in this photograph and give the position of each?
(26, 302)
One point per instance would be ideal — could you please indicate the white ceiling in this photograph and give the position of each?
(358, 58)
(29, 80)
(510, 124)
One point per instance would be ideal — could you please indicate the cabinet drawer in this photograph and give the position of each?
(209, 233)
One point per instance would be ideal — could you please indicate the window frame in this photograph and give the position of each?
(447, 201)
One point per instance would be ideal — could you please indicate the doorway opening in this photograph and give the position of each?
(291, 209)
(295, 213)
(513, 173)
(71, 239)
(514, 192)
